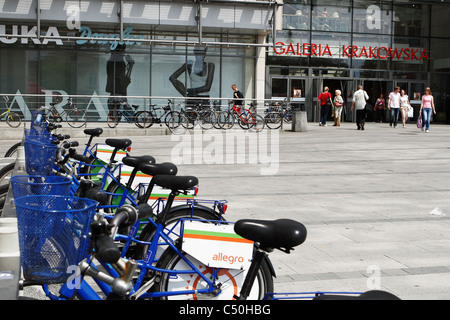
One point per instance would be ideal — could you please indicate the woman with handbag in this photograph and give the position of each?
(338, 106)
(404, 106)
(325, 105)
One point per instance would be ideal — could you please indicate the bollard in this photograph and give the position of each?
(299, 121)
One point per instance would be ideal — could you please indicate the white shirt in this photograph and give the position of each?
(395, 100)
(359, 98)
(404, 101)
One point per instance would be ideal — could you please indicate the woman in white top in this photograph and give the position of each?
(404, 105)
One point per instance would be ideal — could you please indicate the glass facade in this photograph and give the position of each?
(379, 44)
(94, 49)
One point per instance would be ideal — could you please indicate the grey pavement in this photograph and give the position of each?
(364, 196)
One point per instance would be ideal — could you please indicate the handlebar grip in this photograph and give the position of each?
(145, 211)
(80, 157)
(97, 195)
(106, 250)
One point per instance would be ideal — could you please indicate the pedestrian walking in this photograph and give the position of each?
(359, 103)
(404, 107)
(394, 106)
(380, 108)
(325, 106)
(426, 107)
(338, 103)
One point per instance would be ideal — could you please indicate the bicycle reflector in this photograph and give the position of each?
(224, 208)
(195, 191)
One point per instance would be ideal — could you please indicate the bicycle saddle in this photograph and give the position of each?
(118, 143)
(136, 161)
(175, 182)
(283, 234)
(369, 295)
(93, 132)
(153, 169)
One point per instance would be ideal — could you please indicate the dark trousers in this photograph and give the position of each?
(360, 117)
(324, 113)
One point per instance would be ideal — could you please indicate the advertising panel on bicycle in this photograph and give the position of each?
(216, 246)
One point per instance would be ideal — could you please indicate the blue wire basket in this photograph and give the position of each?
(38, 122)
(39, 157)
(53, 235)
(23, 186)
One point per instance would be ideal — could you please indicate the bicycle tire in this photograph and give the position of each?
(192, 118)
(13, 120)
(226, 120)
(273, 120)
(6, 172)
(257, 124)
(178, 124)
(143, 119)
(244, 120)
(207, 119)
(170, 260)
(113, 118)
(76, 118)
(3, 194)
(115, 188)
(12, 150)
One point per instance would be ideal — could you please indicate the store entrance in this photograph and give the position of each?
(347, 88)
(377, 89)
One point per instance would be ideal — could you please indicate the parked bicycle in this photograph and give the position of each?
(119, 108)
(76, 118)
(12, 118)
(276, 114)
(246, 118)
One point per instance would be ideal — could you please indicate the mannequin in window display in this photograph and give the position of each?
(118, 70)
(200, 77)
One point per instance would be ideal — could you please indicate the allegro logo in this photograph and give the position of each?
(227, 258)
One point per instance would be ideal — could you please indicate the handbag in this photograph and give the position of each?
(419, 121)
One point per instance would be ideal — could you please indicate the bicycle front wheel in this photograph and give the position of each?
(233, 279)
(273, 120)
(207, 119)
(113, 118)
(225, 120)
(143, 119)
(255, 123)
(177, 124)
(76, 118)
(13, 120)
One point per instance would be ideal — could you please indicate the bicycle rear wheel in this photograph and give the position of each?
(255, 123)
(13, 120)
(207, 119)
(225, 120)
(273, 120)
(113, 118)
(233, 279)
(177, 123)
(143, 119)
(76, 118)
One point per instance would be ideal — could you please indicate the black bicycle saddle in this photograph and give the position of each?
(118, 143)
(283, 234)
(175, 182)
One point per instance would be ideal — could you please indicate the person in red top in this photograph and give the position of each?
(325, 106)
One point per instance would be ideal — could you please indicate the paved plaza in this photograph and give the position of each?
(376, 203)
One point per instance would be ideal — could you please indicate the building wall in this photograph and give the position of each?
(73, 48)
(402, 42)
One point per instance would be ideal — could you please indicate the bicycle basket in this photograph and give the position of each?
(39, 157)
(23, 186)
(38, 122)
(53, 235)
